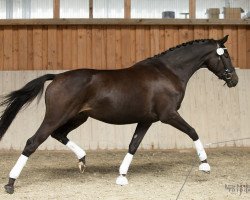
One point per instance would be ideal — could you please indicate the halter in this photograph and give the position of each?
(227, 74)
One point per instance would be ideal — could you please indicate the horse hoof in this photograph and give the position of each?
(9, 189)
(205, 167)
(121, 180)
(81, 166)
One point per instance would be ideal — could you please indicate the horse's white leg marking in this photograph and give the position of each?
(16, 170)
(122, 180)
(200, 150)
(202, 156)
(80, 153)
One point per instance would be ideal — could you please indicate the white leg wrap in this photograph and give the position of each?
(125, 163)
(80, 153)
(16, 170)
(200, 150)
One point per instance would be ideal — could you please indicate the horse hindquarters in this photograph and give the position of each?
(57, 114)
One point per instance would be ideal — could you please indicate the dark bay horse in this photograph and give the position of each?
(151, 90)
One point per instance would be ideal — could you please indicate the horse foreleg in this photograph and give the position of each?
(140, 131)
(178, 122)
(61, 133)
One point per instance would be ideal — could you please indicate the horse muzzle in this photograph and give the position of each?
(232, 79)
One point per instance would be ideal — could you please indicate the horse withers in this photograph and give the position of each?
(151, 90)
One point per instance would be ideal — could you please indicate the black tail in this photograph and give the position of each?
(17, 99)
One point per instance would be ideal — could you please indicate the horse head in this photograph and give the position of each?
(219, 62)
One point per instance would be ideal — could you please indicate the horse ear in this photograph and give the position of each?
(223, 40)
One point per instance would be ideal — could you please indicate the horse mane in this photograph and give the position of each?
(182, 45)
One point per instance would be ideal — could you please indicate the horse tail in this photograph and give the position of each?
(17, 99)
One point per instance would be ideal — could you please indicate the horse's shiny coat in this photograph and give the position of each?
(149, 91)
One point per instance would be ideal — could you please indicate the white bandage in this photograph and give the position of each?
(16, 170)
(200, 150)
(125, 163)
(80, 153)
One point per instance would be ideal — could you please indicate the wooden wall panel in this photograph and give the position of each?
(67, 47)
(81, 46)
(23, 48)
(118, 48)
(59, 48)
(45, 48)
(89, 47)
(171, 36)
(15, 48)
(30, 60)
(248, 47)
(38, 48)
(148, 35)
(111, 47)
(162, 38)
(139, 43)
(126, 47)
(106, 46)
(52, 47)
(97, 34)
(242, 47)
(234, 38)
(8, 48)
(133, 44)
(1, 48)
(199, 32)
(186, 33)
(74, 47)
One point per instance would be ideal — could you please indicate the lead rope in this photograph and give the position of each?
(192, 166)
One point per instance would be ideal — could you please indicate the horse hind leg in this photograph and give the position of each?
(61, 133)
(50, 123)
(31, 145)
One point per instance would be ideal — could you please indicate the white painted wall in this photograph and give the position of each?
(215, 111)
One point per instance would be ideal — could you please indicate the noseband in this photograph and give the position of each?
(227, 74)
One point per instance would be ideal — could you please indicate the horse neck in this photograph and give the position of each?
(184, 63)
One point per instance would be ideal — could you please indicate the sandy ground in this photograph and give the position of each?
(153, 175)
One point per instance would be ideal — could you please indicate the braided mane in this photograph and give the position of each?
(182, 45)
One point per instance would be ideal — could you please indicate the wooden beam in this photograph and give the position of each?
(56, 6)
(192, 9)
(189, 22)
(127, 9)
(90, 9)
